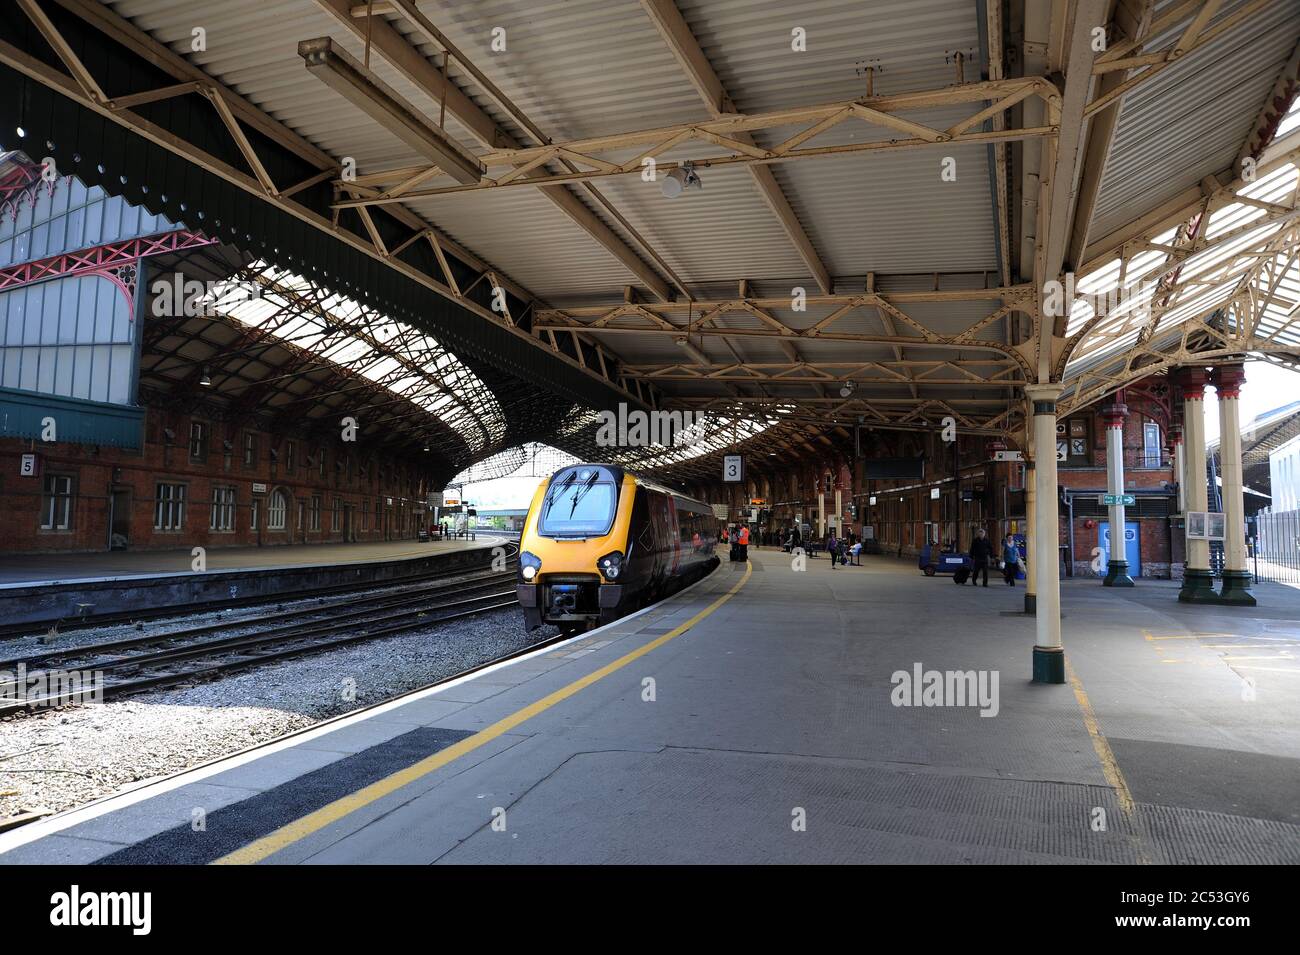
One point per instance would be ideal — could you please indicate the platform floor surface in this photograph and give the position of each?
(769, 732)
(32, 568)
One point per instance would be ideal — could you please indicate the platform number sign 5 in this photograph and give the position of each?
(733, 468)
(29, 466)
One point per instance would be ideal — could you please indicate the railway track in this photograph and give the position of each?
(200, 653)
(66, 624)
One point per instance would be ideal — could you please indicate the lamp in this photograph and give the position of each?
(340, 71)
(699, 357)
(680, 179)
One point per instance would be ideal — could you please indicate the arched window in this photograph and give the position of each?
(276, 510)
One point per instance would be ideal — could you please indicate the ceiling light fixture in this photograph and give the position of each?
(205, 379)
(343, 73)
(680, 179)
(699, 357)
(846, 389)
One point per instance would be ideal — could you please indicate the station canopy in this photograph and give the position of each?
(791, 219)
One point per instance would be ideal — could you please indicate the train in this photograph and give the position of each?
(600, 542)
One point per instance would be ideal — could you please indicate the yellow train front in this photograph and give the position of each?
(600, 542)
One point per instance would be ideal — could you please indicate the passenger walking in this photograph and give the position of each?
(832, 547)
(1010, 560)
(981, 552)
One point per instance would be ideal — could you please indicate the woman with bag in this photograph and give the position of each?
(1010, 560)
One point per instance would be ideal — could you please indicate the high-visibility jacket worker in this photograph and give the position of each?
(725, 538)
(744, 537)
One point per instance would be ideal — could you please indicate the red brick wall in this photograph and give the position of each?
(1154, 532)
(139, 472)
(1154, 541)
(900, 525)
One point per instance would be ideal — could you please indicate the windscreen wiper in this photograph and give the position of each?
(591, 482)
(556, 490)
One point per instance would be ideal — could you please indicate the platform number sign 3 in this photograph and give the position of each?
(733, 468)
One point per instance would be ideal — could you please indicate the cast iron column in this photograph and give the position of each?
(1198, 582)
(1117, 569)
(1228, 380)
(1049, 655)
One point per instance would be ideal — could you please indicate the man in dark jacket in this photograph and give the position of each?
(981, 552)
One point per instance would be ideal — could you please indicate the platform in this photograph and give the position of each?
(753, 719)
(51, 568)
(40, 589)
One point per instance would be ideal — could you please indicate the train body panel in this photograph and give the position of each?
(599, 542)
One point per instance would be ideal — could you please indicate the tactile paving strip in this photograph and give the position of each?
(240, 823)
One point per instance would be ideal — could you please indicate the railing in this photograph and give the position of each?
(1275, 550)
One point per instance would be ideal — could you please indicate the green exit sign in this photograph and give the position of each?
(1127, 500)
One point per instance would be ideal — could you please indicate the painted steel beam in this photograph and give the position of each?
(677, 35)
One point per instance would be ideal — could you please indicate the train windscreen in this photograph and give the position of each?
(580, 504)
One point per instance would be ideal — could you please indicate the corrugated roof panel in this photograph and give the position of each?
(577, 68)
(842, 202)
(592, 67)
(252, 46)
(1190, 120)
(748, 43)
(891, 212)
(722, 232)
(526, 235)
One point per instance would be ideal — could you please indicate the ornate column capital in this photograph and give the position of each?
(1113, 415)
(1192, 382)
(1043, 397)
(1228, 380)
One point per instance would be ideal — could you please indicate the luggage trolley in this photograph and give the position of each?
(934, 561)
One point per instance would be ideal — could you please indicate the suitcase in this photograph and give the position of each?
(961, 575)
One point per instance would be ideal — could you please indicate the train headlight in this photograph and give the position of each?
(529, 565)
(611, 565)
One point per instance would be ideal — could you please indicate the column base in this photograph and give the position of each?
(1236, 588)
(1031, 604)
(1049, 665)
(1198, 587)
(1117, 575)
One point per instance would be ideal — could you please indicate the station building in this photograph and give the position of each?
(134, 417)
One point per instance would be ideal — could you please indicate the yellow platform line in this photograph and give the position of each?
(1186, 636)
(299, 829)
(1109, 764)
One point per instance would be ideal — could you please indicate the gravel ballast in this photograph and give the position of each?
(56, 760)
